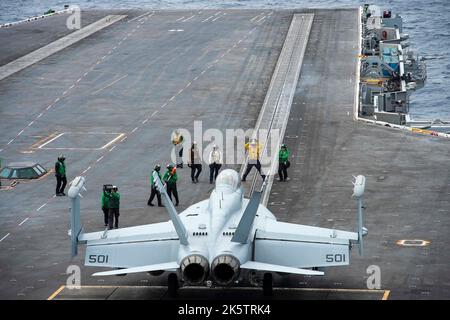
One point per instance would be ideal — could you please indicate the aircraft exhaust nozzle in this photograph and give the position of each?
(195, 269)
(225, 269)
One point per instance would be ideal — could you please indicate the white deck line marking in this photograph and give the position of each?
(41, 206)
(259, 20)
(25, 220)
(218, 13)
(56, 46)
(109, 85)
(208, 18)
(179, 92)
(71, 87)
(99, 159)
(172, 98)
(87, 169)
(112, 141)
(65, 92)
(132, 131)
(79, 80)
(112, 148)
(39, 115)
(10, 141)
(57, 99)
(195, 79)
(145, 121)
(188, 18)
(43, 145)
(125, 138)
(257, 16)
(85, 74)
(154, 113)
(135, 18)
(30, 123)
(189, 83)
(217, 18)
(165, 104)
(48, 107)
(4, 237)
(21, 131)
(179, 19)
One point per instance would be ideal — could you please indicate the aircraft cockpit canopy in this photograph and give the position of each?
(228, 181)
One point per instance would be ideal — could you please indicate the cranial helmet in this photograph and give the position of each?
(284, 146)
(61, 157)
(215, 147)
(253, 141)
(169, 166)
(157, 167)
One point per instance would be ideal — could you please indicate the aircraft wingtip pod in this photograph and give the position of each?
(75, 188)
(359, 185)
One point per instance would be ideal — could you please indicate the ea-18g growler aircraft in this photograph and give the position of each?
(217, 241)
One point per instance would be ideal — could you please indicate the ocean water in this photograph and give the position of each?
(427, 23)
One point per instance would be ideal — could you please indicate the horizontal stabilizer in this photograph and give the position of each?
(152, 267)
(253, 265)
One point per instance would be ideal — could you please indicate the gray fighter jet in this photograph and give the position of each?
(219, 241)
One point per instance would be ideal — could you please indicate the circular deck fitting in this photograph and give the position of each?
(413, 243)
(277, 203)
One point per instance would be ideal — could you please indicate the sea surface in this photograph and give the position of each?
(427, 22)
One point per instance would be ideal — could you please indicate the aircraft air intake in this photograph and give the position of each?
(194, 269)
(225, 269)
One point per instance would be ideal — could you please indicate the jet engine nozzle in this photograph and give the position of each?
(195, 269)
(225, 269)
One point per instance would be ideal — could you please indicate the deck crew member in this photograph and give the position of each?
(283, 162)
(215, 163)
(254, 152)
(114, 205)
(177, 140)
(60, 173)
(154, 190)
(195, 162)
(170, 179)
(105, 203)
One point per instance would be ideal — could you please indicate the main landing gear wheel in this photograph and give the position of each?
(172, 284)
(267, 284)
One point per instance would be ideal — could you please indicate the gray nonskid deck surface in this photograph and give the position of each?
(226, 91)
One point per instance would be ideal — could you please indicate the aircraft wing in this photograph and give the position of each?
(132, 247)
(299, 246)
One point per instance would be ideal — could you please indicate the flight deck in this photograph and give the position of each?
(110, 101)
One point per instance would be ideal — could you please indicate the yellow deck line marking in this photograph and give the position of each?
(385, 292)
(54, 294)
